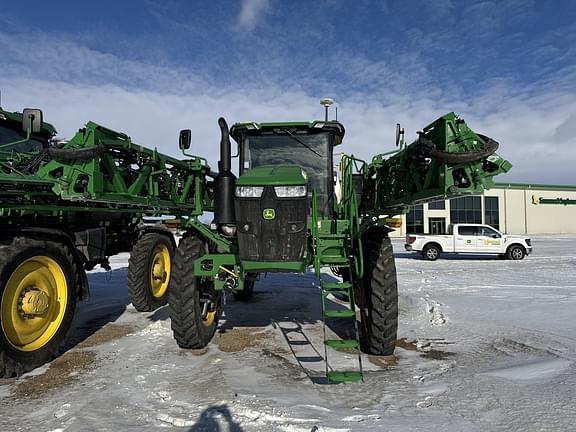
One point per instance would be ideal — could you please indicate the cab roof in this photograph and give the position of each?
(252, 127)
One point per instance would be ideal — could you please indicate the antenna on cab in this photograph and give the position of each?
(326, 102)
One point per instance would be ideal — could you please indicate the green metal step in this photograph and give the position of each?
(341, 297)
(335, 286)
(333, 260)
(344, 376)
(332, 236)
(341, 343)
(346, 313)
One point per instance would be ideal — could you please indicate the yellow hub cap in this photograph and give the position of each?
(34, 303)
(160, 271)
(209, 319)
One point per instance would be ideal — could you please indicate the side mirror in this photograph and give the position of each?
(32, 120)
(185, 139)
(399, 135)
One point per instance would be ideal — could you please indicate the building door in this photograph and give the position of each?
(437, 225)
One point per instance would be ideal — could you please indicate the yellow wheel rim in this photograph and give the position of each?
(160, 270)
(209, 320)
(34, 303)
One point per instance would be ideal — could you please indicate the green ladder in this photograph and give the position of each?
(346, 297)
(331, 244)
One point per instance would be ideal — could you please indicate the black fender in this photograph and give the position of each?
(157, 229)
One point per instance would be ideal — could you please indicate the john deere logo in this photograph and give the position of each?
(269, 214)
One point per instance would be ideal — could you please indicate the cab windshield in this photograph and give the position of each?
(311, 152)
(8, 135)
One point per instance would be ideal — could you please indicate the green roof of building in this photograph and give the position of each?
(534, 186)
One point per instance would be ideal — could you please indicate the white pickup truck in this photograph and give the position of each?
(469, 238)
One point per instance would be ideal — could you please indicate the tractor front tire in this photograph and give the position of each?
(38, 281)
(149, 271)
(194, 305)
(379, 312)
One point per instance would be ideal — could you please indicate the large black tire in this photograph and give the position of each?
(149, 270)
(379, 308)
(187, 297)
(515, 252)
(38, 281)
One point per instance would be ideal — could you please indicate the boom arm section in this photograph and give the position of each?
(101, 168)
(447, 159)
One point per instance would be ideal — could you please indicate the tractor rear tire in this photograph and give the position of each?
(38, 280)
(149, 271)
(188, 296)
(379, 312)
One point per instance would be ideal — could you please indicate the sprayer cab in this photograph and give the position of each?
(308, 145)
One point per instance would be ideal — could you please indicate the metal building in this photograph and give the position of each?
(513, 208)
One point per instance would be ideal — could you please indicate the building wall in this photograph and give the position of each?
(519, 210)
(540, 218)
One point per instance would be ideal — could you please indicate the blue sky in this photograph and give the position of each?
(150, 68)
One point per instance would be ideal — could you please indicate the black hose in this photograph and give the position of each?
(488, 148)
(66, 154)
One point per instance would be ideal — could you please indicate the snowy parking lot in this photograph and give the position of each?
(484, 344)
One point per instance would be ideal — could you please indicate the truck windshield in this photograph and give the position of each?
(8, 135)
(311, 152)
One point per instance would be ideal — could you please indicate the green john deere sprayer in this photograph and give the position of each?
(284, 214)
(66, 207)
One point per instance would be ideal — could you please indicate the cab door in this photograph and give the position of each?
(465, 239)
(488, 240)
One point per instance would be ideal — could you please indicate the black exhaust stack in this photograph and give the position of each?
(225, 182)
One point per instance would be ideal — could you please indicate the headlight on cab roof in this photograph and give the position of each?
(290, 191)
(249, 191)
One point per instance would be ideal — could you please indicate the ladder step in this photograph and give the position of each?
(341, 297)
(345, 313)
(335, 286)
(344, 376)
(339, 261)
(332, 236)
(341, 343)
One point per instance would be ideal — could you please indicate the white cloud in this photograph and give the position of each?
(566, 131)
(251, 12)
(77, 85)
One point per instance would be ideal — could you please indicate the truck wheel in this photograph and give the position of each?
(194, 304)
(515, 252)
(247, 293)
(37, 302)
(149, 271)
(379, 312)
(431, 252)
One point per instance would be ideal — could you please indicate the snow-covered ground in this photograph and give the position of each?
(484, 345)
